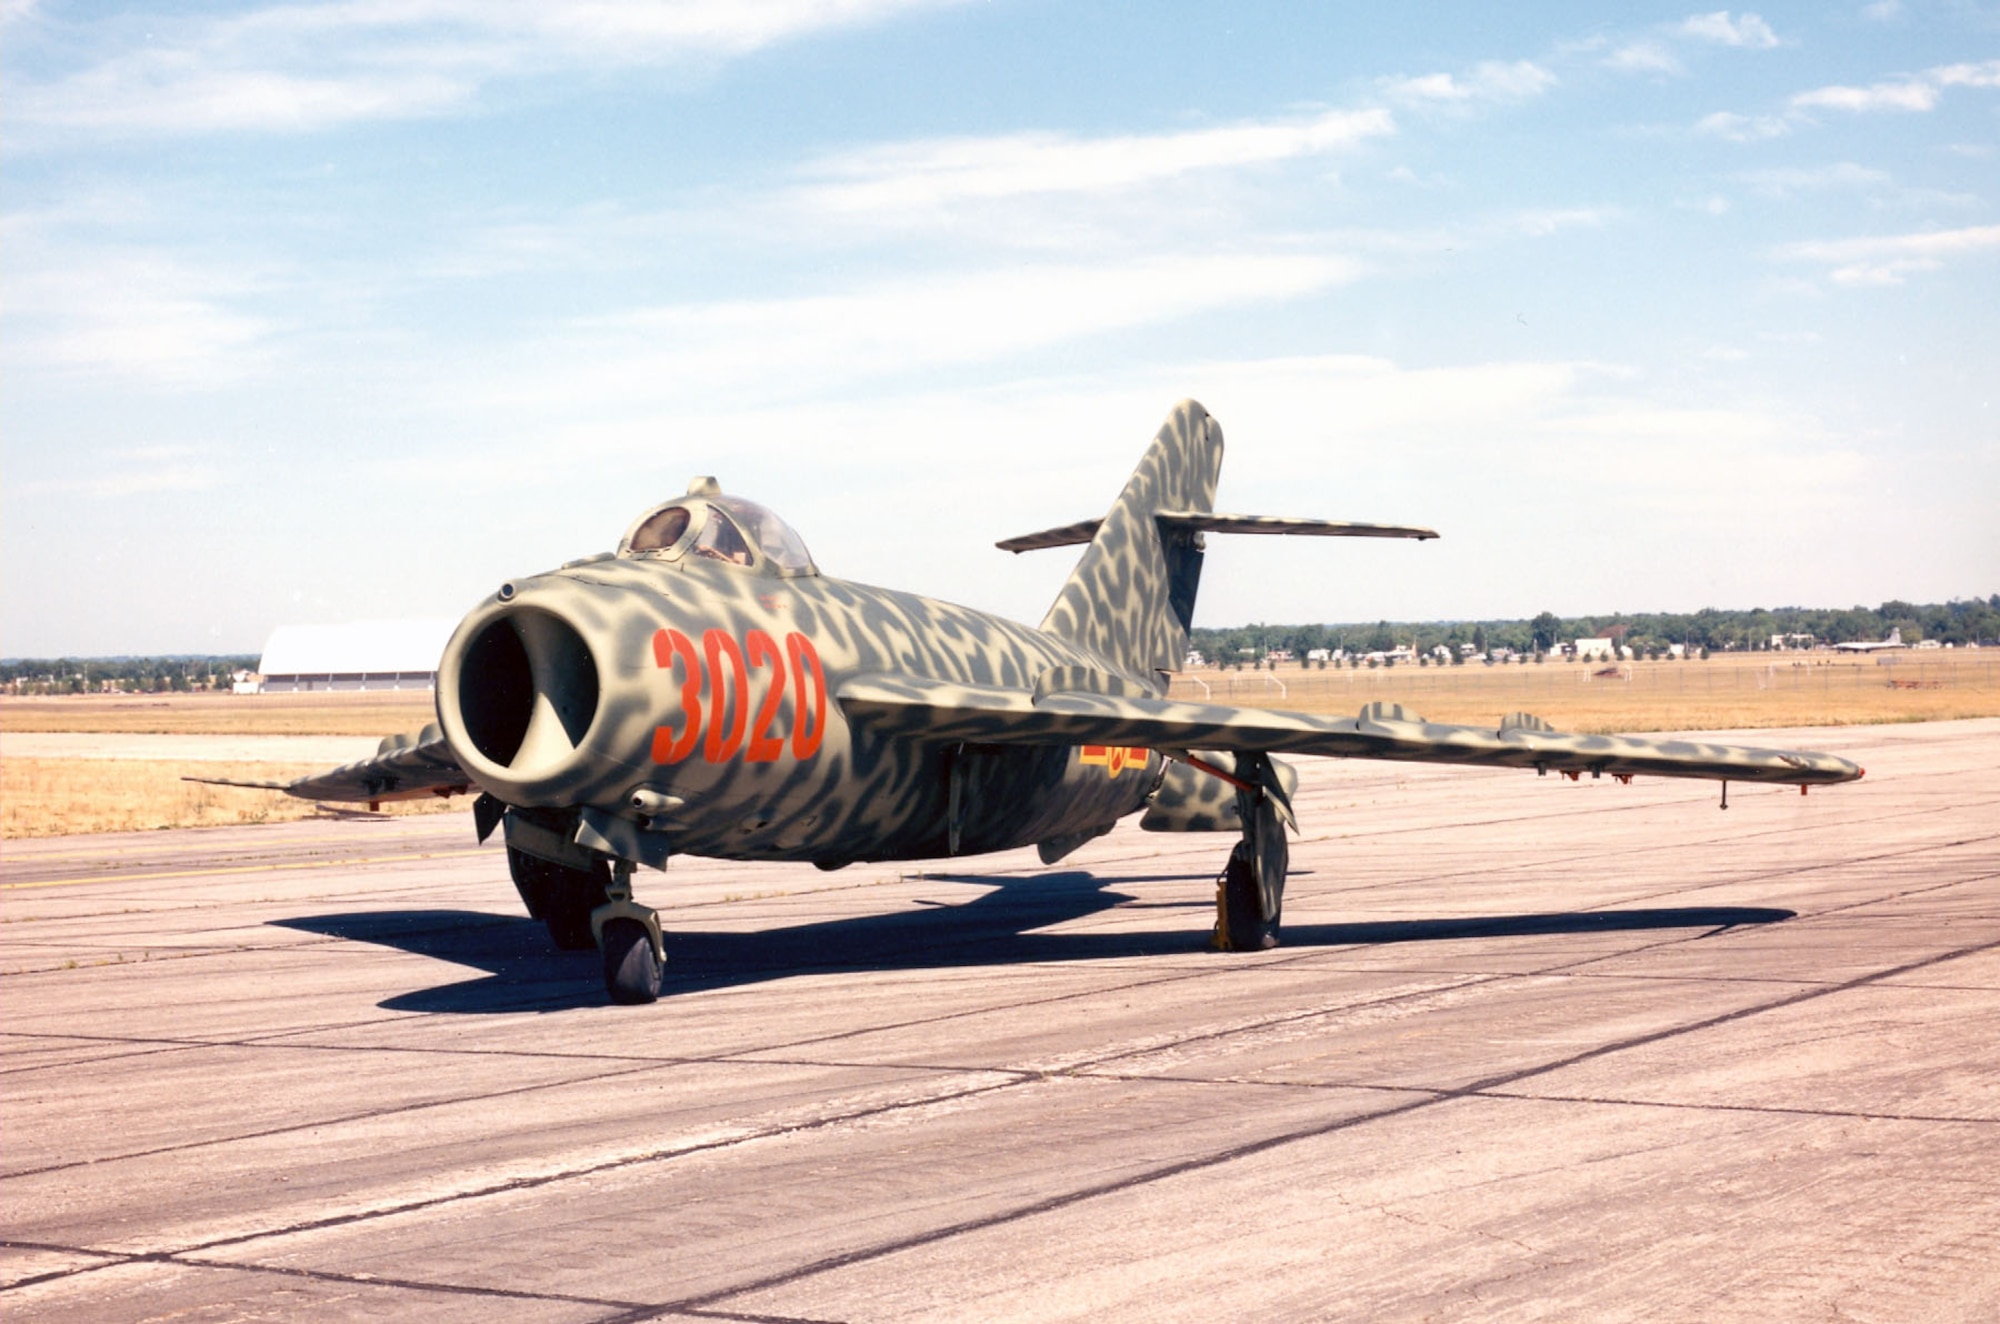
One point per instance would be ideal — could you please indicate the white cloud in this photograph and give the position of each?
(1983, 74)
(1887, 259)
(690, 352)
(928, 174)
(1488, 81)
(133, 313)
(1918, 93)
(1644, 57)
(1748, 30)
(1910, 94)
(1551, 220)
(1742, 128)
(288, 68)
(1784, 181)
(135, 471)
(1882, 11)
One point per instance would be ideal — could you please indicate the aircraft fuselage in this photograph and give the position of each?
(712, 689)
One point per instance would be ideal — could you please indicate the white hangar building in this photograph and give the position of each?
(363, 655)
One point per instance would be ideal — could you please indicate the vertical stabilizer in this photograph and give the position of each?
(1131, 597)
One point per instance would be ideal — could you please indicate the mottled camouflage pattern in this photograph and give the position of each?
(865, 794)
(1193, 800)
(1130, 599)
(946, 730)
(402, 768)
(1382, 731)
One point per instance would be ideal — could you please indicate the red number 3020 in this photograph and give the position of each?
(715, 697)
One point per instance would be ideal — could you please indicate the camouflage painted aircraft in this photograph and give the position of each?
(705, 690)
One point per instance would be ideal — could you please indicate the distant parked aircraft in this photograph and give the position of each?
(1895, 640)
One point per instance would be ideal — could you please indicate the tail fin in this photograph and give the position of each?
(1131, 597)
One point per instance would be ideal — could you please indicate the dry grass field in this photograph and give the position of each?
(46, 797)
(57, 797)
(1727, 692)
(380, 713)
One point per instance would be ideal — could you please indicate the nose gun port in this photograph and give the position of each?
(652, 804)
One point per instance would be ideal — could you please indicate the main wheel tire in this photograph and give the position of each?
(560, 897)
(631, 968)
(1239, 906)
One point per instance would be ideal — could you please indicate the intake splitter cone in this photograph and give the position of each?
(518, 691)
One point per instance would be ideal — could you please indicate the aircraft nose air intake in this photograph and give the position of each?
(524, 691)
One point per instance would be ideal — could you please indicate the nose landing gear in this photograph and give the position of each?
(629, 936)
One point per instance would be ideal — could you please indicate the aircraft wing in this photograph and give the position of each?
(904, 706)
(405, 767)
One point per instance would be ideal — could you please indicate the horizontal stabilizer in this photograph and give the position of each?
(1197, 521)
(990, 714)
(1200, 522)
(1069, 535)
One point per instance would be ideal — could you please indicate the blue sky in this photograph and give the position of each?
(319, 312)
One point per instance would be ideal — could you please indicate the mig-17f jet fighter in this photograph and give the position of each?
(705, 690)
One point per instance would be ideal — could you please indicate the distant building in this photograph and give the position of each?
(364, 655)
(1593, 648)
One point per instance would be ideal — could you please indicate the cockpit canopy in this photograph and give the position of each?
(708, 524)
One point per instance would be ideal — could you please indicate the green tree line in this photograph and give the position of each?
(1959, 622)
(140, 675)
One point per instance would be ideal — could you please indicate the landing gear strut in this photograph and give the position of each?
(560, 896)
(1250, 893)
(629, 935)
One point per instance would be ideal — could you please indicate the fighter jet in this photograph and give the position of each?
(705, 690)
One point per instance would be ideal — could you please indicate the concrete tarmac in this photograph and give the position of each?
(1530, 1050)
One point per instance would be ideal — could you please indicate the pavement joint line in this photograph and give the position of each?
(118, 1259)
(32, 856)
(1366, 834)
(1512, 1096)
(1893, 896)
(1899, 896)
(1783, 1110)
(1295, 957)
(407, 857)
(1599, 856)
(1497, 1093)
(366, 1114)
(1018, 1077)
(1250, 1149)
(536, 1181)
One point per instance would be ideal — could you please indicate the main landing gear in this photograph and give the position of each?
(1250, 893)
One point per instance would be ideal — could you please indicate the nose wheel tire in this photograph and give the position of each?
(631, 967)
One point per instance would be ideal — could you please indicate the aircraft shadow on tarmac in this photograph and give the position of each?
(999, 926)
